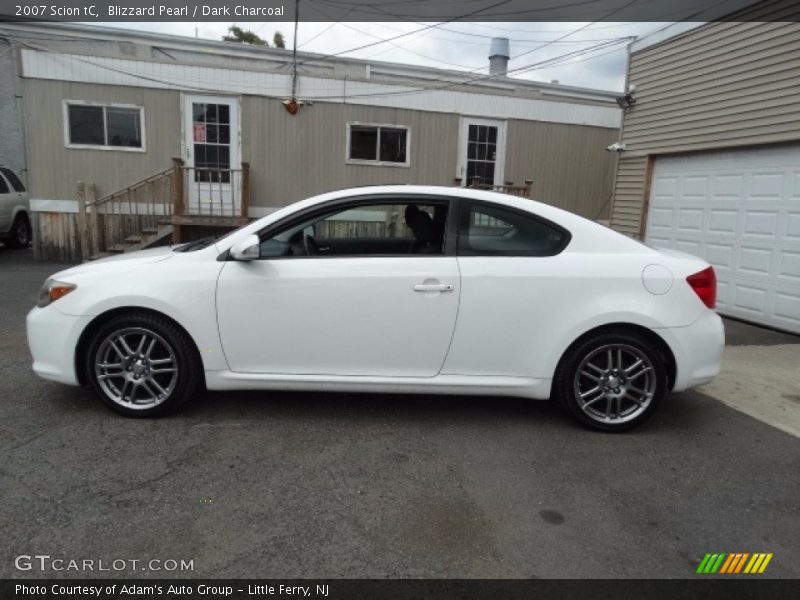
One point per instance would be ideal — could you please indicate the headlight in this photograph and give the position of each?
(52, 290)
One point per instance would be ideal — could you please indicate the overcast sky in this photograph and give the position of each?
(458, 46)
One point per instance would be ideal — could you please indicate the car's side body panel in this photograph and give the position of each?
(180, 286)
(357, 316)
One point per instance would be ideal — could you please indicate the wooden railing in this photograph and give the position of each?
(179, 195)
(106, 222)
(212, 192)
(507, 188)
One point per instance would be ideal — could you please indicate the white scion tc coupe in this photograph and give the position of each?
(390, 289)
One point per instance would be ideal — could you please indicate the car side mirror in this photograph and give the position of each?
(247, 249)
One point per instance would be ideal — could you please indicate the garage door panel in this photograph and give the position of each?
(761, 223)
(767, 186)
(728, 187)
(666, 187)
(690, 246)
(740, 210)
(793, 225)
(663, 217)
(690, 219)
(790, 265)
(749, 299)
(720, 255)
(723, 221)
(787, 310)
(695, 189)
(756, 261)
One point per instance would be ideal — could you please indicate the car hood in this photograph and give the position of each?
(127, 259)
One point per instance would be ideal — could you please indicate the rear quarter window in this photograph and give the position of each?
(492, 230)
(12, 179)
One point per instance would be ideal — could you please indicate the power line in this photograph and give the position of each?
(391, 43)
(433, 26)
(516, 70)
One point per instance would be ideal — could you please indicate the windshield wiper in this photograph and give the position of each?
(197, 244)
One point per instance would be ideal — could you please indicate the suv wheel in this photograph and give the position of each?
(20, 234)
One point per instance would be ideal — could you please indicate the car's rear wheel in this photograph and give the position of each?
(141, 364)
(20, 234)
(611, 381)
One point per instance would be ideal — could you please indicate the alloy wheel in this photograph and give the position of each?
(136, 368)
(615, 383)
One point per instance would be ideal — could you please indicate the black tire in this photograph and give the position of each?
(20, 234)
(177, 349)
(613, 387)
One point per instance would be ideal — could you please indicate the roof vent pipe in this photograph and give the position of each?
(498, 57)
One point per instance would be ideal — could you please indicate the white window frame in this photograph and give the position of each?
(65, 107)
(378, 163)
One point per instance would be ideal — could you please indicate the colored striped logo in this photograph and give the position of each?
(735, 562)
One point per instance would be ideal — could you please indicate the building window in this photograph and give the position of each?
(108, 127)
(378, 144)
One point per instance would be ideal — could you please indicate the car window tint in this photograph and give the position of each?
(489, 230)
(12, 179)
(379, 229)
(3, 186)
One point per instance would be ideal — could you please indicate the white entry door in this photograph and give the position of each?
(740, 210)
(212, 154)
(481, 151)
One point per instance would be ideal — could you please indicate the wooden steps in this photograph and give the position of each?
(147, 238)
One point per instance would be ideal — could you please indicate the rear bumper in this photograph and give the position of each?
(52, 339)
(697, 349)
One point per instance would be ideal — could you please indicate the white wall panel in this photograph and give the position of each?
(114, 71)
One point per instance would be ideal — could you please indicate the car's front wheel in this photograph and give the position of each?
(141, 364)
(611, 381)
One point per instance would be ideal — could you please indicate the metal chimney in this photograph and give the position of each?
(498, 57)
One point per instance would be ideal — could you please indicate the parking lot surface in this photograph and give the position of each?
(344, 485)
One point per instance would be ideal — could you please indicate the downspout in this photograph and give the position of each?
(619, 138)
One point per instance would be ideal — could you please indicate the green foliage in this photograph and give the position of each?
(243, 36)
(278, 41)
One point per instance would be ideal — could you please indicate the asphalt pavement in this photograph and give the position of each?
(276, 485)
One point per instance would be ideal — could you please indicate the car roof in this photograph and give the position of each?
(542, 209)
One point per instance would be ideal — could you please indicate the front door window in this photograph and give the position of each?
(211, 131)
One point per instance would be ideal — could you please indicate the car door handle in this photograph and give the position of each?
(433, 287)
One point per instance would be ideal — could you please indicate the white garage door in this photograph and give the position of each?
(740, 210)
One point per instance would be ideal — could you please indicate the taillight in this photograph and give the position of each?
(704, 284)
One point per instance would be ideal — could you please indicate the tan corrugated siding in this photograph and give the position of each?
(568, 164)
(723, 85)
(54, 169)
(293, 157)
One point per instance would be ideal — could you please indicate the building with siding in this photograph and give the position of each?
(711, 164)
(111, 108)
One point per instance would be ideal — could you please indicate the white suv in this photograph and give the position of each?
(15, 223)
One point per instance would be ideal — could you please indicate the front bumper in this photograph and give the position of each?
(697, 349)
(52, 339)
